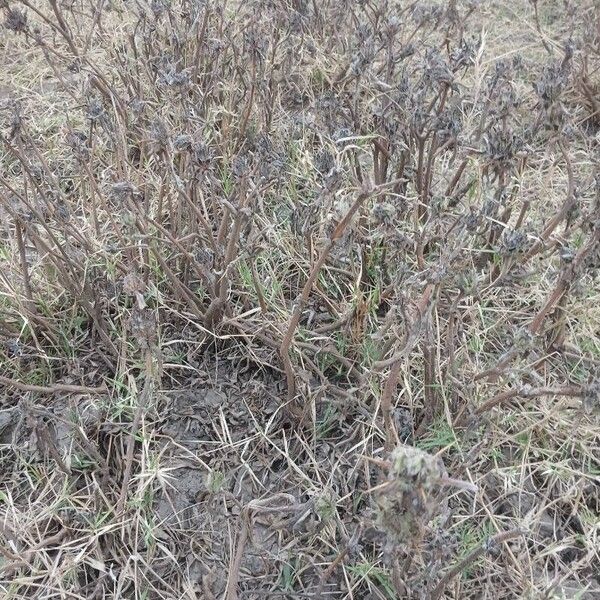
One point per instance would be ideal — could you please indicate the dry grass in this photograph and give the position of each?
(299, 299)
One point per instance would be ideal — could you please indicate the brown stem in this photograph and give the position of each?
(135, 425)
(456, 178)
(301, 303)
(520, 392)
(337, 561)
(472, 557)
(391, 435)
(567, 206)
(564, 282)
(57, 388)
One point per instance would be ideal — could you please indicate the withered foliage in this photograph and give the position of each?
(390, 223)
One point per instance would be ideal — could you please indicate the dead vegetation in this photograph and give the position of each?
(299, 299)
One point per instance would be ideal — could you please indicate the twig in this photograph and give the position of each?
(522, 392)
(57, 388)
(301, 303)
(337, 561)
(143, 400)
(29, 554)
(473, 556)
(246, 516)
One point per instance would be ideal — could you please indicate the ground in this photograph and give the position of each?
(299, 299)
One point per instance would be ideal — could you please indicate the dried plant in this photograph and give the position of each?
(254, 251)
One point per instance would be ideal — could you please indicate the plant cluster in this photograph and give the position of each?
(375, 218)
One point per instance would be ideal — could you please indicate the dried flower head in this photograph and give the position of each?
(591, 398)
(411, 497)
(383, 213)
(78, 142)
(159, 136)
(201, 154)
(143, 327)
(133, 285)
(16, 20)
(514, 242)
(122, 190)
(183, 143)
(95, 110)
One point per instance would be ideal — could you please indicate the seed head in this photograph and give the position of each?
(412, 496)
(95, 110)
(132, 284)
(513, 242)
(384, 213)
(201, 154)
(183, 143)
(16, 20)
(324, 162)
(591, 398)
(77, 141)
(122, 190)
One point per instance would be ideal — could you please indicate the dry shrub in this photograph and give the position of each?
(385, 228)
